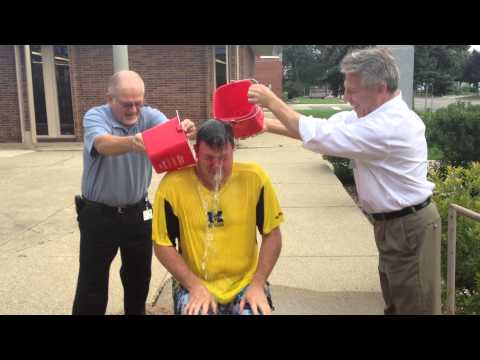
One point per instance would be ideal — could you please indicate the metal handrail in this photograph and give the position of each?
(452, 248)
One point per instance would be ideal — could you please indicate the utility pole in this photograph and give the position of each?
(404, 57)
(120, 57)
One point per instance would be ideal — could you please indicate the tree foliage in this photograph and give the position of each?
(471, 72)
(310, 65)
(456, 131)
(461, 186)
(439, 65)
(314, 65)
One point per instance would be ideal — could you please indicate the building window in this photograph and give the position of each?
(51, 90)
(39, 90)
(221, 65)
(62, 73)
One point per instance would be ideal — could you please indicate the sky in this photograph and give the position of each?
(476, 47)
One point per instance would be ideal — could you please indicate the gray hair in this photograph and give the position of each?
(375, 66)
(120, 77)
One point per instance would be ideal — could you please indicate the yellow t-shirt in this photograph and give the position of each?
(217, 232)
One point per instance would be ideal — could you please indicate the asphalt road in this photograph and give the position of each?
(436, 103)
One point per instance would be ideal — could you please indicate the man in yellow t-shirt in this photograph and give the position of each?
(211, 212)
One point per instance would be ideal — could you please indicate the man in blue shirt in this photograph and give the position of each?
(114, 212)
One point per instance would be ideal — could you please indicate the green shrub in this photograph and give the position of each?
(434, 150)
(455, 130)
(293, 88)
(434, 153)
(468, 89)
(461, 186)
(342, 169)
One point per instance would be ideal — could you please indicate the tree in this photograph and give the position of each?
(439, 65)
(299, 68)
(309, 65)
(471, 72)
(330, 57)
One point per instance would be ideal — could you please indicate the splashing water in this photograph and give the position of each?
(210, 204)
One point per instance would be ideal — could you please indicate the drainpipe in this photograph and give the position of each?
(31, 107)
(238, 62)
(19, 92)
(120, 57)
(227, 65)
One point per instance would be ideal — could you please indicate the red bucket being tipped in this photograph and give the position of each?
(167, 146)
(230, 104)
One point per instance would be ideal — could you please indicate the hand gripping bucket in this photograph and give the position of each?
(167, 146)
(230, 104)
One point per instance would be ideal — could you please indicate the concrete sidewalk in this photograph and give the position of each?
(328, 263)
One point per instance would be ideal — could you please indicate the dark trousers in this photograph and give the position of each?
(102, 232)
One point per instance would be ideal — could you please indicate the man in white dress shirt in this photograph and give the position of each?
(386, 142)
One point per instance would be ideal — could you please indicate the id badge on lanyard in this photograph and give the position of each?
(148, 212)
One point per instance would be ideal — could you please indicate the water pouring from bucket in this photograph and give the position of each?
(230, 104)
(167, 146)
(211, 206)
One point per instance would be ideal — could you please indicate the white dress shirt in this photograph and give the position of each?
(389, 151)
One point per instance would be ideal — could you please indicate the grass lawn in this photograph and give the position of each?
(319, 113)
(306, 100)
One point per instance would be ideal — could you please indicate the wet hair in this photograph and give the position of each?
(375, 66)
(216, 134)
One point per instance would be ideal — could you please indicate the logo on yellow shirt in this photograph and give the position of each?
(215, 220)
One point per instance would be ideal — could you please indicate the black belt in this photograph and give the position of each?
(117, 209)
(400, 213)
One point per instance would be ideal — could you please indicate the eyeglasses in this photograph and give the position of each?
(129, 104)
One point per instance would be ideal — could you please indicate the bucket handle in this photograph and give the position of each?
(252, 80)
(179, 128)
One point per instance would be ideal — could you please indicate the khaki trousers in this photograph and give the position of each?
(409, 262)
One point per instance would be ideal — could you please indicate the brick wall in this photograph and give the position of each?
(10, 115)
(176, 78)
(269, 71)
(91, 67)
(210, 83)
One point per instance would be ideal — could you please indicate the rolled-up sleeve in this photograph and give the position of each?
(94, 124)
(360, 139)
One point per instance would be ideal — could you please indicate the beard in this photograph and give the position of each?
(129, 121)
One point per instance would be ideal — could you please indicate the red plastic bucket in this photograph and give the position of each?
(230, 104)
(167, 146)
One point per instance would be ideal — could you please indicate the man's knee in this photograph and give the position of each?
(407, 294)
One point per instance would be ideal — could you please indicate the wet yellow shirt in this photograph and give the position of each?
(217, 232)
